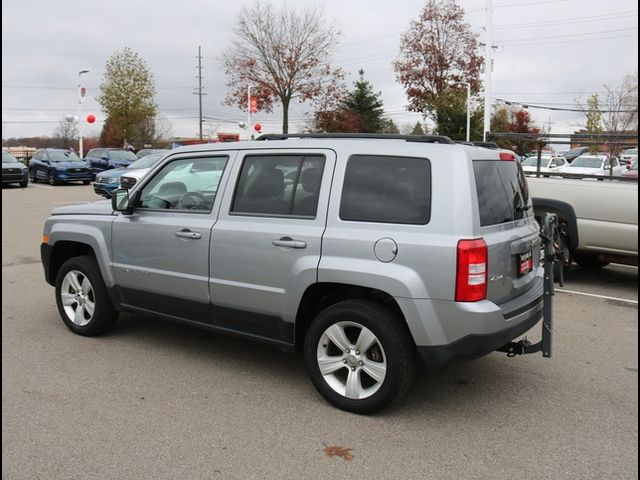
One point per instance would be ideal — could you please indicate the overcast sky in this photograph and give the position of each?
(549, 52)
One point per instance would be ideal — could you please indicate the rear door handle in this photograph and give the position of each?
(186, 233)
(289, 242)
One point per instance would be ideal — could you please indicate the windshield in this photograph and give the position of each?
(8, 158)
(64, 156)
(631, 151)
(147, 161)
(533, 161)
(122, 155)
(587, 162)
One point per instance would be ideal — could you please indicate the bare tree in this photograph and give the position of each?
(65, 133)
(618, 112)
(283, 55)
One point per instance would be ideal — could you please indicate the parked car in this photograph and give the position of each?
(593, 165)
(109, 180)
(626, 157)
(490, 145)
(148, 151)
(14, 171)
(360, 259)
(101, 159)
(548, 164)
(57, 165)
(632, 171)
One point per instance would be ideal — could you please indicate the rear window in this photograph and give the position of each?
(387, 189)
(502, 191)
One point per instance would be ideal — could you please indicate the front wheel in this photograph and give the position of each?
(86, 182)
(52, 179)
(359, 355)
(23, 184)
(32, 175)
(82, 297)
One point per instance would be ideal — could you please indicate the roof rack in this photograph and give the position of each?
(387, 136)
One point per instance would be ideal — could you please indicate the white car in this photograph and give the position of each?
(548, 164)
(626, 157)
(593, 165)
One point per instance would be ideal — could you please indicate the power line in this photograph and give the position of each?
(598, 18)
(516, 40)
(568, 41)
(545, 107)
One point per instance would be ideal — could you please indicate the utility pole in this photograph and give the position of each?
(199, 92)
(488, 66)
(468, 111)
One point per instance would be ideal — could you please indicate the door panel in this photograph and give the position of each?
(262, 262)
(161, 251)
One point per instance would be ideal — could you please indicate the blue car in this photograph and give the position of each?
(109, 180)
(56, 166)
(101, 159)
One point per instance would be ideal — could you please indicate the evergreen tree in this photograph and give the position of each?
(366, 105)
(417, 130)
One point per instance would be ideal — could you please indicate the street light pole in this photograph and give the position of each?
(468, 111)
(81, 95)
(488, 65)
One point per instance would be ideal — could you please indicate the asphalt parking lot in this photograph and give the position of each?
(159, 400)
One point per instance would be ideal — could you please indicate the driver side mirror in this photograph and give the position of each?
(121, 202)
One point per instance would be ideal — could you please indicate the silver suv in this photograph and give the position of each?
(366, 254)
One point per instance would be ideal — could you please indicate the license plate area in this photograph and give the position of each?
(525, 263)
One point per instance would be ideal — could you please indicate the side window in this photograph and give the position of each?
(185, 184)
(279, 185)
(387, 189)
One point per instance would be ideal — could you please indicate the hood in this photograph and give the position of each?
(14, 165)
(136, 173)
(70, 165)
(115, 172)
(102, 207)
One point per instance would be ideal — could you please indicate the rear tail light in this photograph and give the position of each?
(509, 157)
(471, 274)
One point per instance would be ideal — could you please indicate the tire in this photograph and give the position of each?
(590, 262)
(390, 356)
(32, 175)
(52, 179)
(23, 184)
(71, 282)
(86, 182)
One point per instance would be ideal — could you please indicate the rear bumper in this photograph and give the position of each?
(477, 345)
(444, 331)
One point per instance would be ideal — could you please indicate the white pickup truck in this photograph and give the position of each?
(599, 219)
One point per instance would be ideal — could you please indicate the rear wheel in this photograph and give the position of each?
(359, 355)
(82, 297)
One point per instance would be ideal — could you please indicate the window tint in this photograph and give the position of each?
(185, 184)
(279, 185)
(63, 156)
(387, 189)
(122, 155)
(502, 191)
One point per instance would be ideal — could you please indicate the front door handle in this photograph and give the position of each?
(289, 242)
(186, 233)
